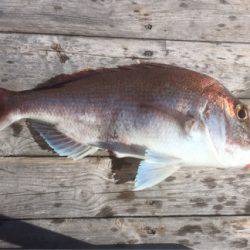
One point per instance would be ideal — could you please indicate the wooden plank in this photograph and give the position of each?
(101, 187)
(229, 233)
(26, 60)
(214, 20)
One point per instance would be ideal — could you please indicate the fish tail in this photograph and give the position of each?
(8, 108)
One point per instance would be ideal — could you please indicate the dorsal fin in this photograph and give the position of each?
(65, 78)
(61, 79)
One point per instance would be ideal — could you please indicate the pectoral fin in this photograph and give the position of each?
(154, 169)
(62, 144)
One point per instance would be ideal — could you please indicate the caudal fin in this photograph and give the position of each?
(7, 108)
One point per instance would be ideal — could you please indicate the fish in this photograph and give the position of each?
(164, 115)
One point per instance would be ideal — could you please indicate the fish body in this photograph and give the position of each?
(165, 115)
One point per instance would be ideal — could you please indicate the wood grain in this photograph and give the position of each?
(229, 233)
(101, 187)
(27, 60)
(214, 20)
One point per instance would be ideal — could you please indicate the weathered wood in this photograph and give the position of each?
(100, 187)
(214, 20)
(229, 233)
(26, 60)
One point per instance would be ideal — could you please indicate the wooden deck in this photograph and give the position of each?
(52, 202)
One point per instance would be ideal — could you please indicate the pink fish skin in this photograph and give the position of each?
(165, 115)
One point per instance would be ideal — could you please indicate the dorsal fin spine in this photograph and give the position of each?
(67, 78)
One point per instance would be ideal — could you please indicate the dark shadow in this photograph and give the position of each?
(124, 169)
(28, 236)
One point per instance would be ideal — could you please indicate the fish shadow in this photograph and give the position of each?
(124, 169)
(29, 236)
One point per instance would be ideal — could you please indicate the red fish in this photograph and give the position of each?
(164, 115)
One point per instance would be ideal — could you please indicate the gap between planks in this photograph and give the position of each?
(122, 38)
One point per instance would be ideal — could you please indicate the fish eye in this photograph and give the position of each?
(241, 112)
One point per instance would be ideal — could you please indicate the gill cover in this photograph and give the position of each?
(216, 131)
(225, 126)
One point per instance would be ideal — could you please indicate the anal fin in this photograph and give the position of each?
(60, 143)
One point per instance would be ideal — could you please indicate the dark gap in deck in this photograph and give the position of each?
(124, 38)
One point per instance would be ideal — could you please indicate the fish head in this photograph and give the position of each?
(228, 125)
(237, 125)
